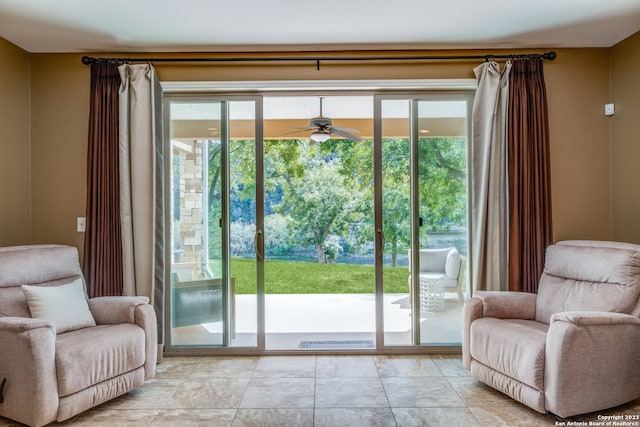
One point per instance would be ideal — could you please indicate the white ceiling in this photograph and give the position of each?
(243, 25)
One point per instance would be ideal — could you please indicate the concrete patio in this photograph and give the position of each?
(328, 322)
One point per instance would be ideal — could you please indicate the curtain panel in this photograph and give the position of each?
(102, 259)
(530, 227)
(488, 179)
(141, 185)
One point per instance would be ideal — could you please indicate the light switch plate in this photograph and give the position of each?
(609, 109)
(81, 226)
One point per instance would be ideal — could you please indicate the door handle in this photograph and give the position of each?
(256, 245)
(381, 247)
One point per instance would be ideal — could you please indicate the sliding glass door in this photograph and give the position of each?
(319, 239)
(422, 216)
(278, 242)
(212, 300)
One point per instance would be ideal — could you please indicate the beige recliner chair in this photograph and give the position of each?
(574, 347)
(61, 352)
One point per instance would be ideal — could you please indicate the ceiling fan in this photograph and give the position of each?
(323, 129)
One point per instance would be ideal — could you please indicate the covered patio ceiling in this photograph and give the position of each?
(287, 117)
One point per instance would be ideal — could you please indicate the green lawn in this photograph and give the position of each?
(289, 277)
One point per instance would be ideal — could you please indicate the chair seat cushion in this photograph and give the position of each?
(513, 347)
(88, 356)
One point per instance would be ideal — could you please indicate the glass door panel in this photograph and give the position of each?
(396, 220)
(424, 217)
(319, 248)
(441, 157)
(243, 295)
(212, 169)
(198, 289)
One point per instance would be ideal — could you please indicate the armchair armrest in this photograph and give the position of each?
(126, 309)
(595, 318)
(27, 361)
(110, 310)
(588, 355)
(23, 324)
(507, 305)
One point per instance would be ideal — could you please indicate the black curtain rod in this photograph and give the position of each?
(87, 60)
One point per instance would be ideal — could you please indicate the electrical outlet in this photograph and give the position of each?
(81, 225)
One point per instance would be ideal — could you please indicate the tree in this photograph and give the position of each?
(321, 204)
(327, 190)
(442, 185)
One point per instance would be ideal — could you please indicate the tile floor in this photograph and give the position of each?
(330, 391)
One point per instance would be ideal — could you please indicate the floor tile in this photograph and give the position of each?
(407, 366)
(5, 422)
(154, 394)
(279, 393)
(434, 417)
(285, 417)
(354, 417)
(177, 367)
(346, 367)
(450, 365)
(475, 393)
(194, 418)
(514, 415)
(317, 391)
(209, 393)
(289, 367)
(421, 392)
(110, 417)
(226, 367)
(350, 393)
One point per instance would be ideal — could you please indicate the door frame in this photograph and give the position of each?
(255, 91)
(227, 304)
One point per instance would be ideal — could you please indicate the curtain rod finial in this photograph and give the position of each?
(550, 55)
(86, 60)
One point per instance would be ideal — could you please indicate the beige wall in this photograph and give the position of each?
(59, 127)
(577, 89)
(625, 139)
(15, 165)
(577, 82)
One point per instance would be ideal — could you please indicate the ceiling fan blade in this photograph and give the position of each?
(347, 135)
(350, 130)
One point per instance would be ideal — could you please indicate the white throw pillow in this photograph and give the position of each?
(64, 305)
(452, 266)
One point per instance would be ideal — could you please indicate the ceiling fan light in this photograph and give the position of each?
(320, 136)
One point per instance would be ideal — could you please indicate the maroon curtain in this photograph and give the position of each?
(102, 264)
(530, 229)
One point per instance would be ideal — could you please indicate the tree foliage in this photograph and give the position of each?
(321, 203)
(323, 194)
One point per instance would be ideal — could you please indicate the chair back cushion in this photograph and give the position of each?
(42, 265)
(589, 275)
(436, 260)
